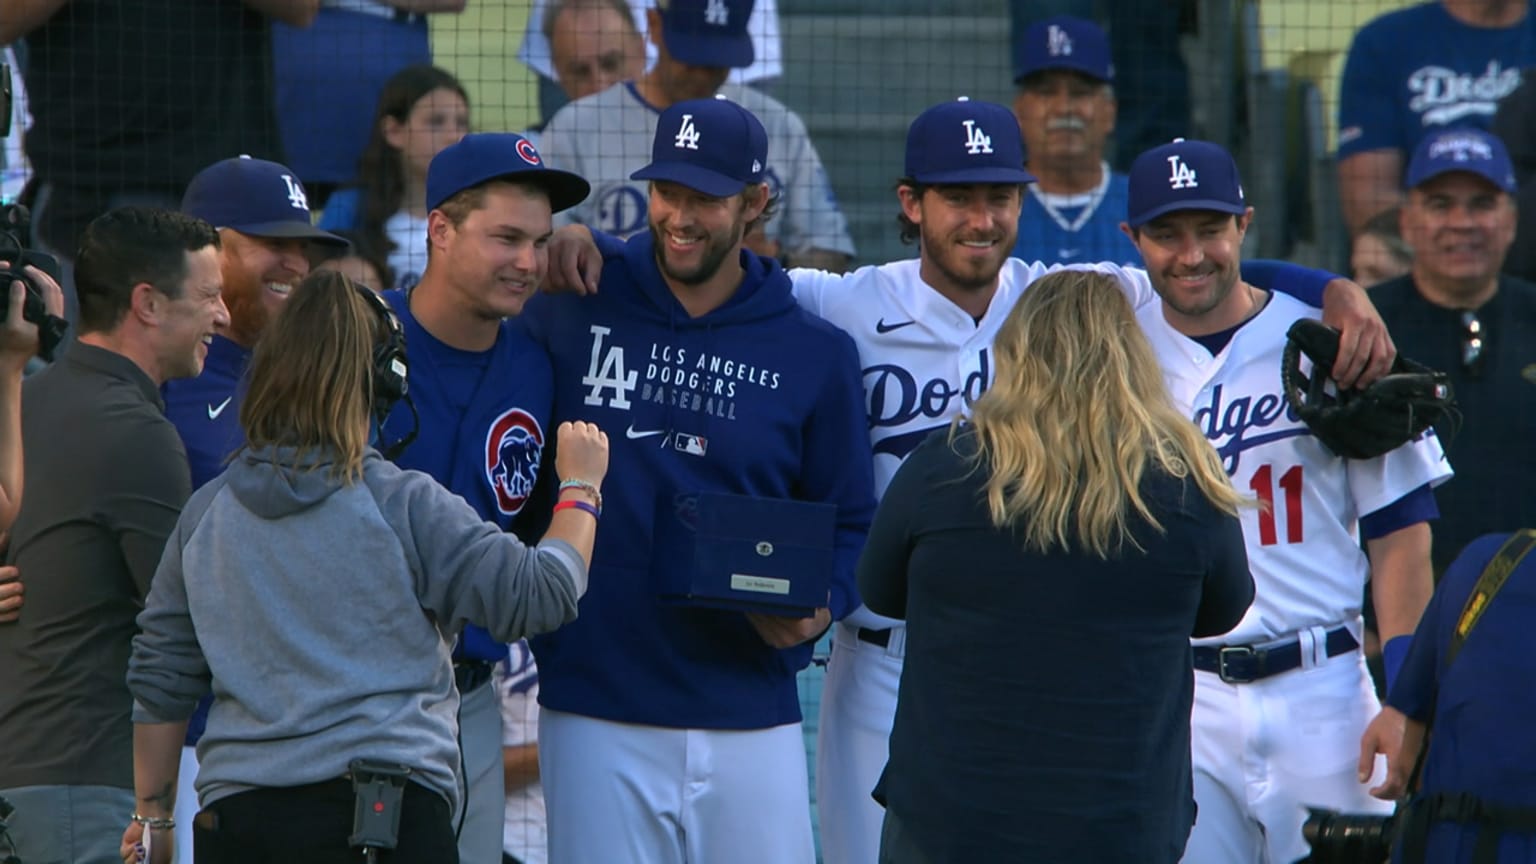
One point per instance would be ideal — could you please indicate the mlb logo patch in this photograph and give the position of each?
(692, 444)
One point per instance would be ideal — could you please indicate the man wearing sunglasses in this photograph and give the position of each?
(1456, 313)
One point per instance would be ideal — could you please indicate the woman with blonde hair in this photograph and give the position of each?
(317, 589)
(1052, 556)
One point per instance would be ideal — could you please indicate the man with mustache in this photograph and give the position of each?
(1456, 313)
(263, 219)
(1065, 104)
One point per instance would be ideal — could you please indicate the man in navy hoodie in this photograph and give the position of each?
(669, 733)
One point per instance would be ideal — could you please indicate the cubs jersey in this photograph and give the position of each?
(607, 136)
(1304, 539)
(483, 422)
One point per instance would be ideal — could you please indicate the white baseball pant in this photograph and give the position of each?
(858, 707)
(1266, 751)
(622, 792)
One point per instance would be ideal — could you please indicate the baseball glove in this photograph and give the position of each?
(1363, 423)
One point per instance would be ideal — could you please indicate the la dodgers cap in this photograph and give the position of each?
(1184, 175)
(255, 197)
(485, 156)
(707, 32)
(713, 146)
(1471, 150)
(1063, 42)
(966, 141)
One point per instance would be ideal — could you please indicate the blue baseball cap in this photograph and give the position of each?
(966, 142)
(1063, 42)
(1184, 175)
(707, 32)
(1471, 150)
(713, 146)
(486, 156)
(255, 197)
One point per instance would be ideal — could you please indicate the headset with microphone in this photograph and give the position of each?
(390, 374)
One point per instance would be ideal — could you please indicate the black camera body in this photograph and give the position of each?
(1348, 838)
(16, 252)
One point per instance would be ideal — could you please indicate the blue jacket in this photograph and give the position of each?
(206, 413)
(206, 410)
(756, 398)
(484, 421)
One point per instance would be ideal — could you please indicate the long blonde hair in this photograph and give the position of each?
(1076, 413)
(311, 376)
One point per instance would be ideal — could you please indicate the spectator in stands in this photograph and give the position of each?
(1153, 78)
(14, 170)
(593, 44)
(130, 98)
(537, 51)
(364, 268)
(608, 136)
(1378, 252)
(525, 832)
(1455, 312)
(423, 110)
(1411, 72)
(1065, 103)
(92, 424)
(329, 77)
(1515, 124)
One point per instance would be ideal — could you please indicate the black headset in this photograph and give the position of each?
(391, 372)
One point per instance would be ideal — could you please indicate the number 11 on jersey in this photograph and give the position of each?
(1263, 485)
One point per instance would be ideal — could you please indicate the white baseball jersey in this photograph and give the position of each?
(607, 136)
(925, 360)
(1304, 548)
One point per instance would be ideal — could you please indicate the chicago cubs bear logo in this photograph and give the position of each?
(513, 447)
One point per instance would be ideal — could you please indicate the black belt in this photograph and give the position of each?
(469, 674)
(1244, 664)
(875, 637)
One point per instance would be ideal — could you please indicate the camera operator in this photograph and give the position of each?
(18, 344)
(108, 478)
(1468, 686)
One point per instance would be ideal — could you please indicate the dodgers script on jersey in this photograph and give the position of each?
(1304, 544)
(607, 136)
(924, 359)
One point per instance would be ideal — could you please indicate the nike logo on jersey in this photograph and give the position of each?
(634, 434)
(213, 413)
(882, 327)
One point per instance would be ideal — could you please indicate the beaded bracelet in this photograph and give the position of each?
(583, 485)
(579, 505)
(154, 823)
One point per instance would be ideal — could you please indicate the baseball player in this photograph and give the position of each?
(482, 391)
(263, 218)
(668, 732)
(1282, 700)
(924, 330)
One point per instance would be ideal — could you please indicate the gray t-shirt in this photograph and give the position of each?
(607, 136)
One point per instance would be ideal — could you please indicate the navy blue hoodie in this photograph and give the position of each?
(756, 397)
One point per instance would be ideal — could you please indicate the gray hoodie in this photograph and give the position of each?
(322, 615)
